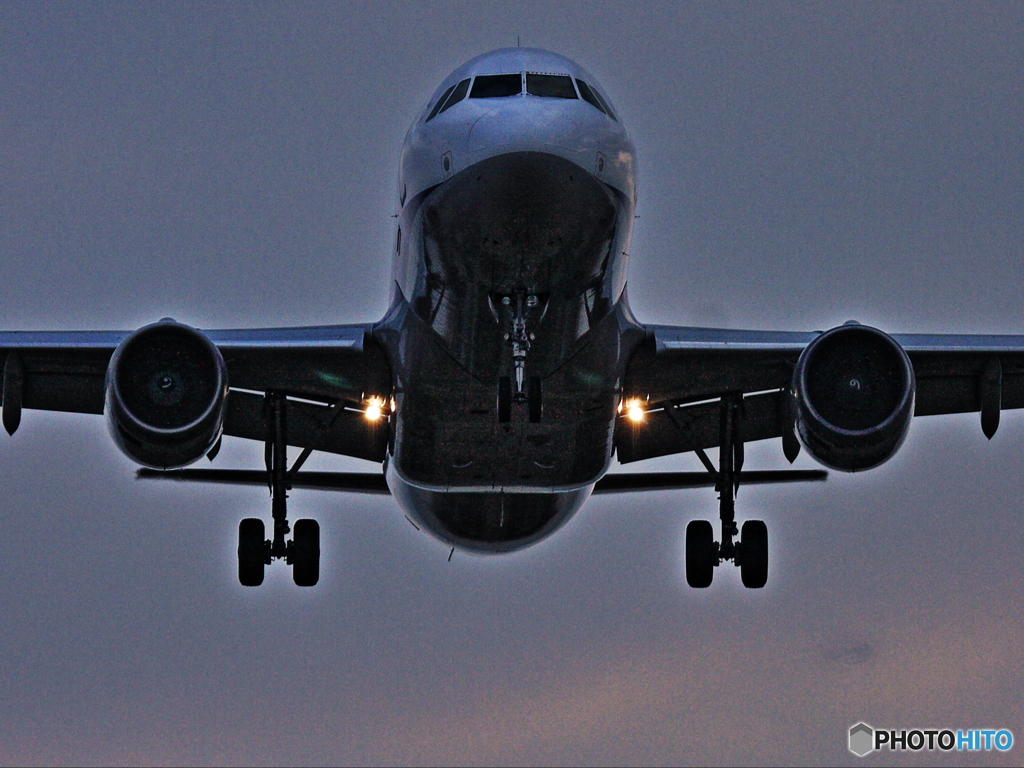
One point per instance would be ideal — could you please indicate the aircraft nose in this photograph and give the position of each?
(508, 126)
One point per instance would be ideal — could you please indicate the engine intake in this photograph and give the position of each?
(166, 391)
(854, 393)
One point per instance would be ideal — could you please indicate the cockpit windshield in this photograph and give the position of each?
(558, 86)
(537, 84)
(493, 86)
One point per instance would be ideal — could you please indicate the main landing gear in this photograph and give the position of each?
(750, 553)
(302, 553)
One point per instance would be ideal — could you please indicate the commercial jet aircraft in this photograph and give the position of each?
(509, 369)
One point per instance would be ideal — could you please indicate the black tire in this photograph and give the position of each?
(251, 552)
(700, 554)
(504, 399)
(306, 553)
(754, 554)
(536, 399)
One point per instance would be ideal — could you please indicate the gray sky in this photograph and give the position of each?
(234, 165)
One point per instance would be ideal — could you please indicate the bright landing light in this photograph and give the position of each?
(634, 411)
(374, 409)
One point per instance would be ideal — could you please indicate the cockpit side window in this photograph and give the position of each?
(594, 98)
(457, 95)
(440, 103)
(588, 95)
(605, 105)
(558, 86)
(493, 86)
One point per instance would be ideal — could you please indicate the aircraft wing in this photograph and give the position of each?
(328, 368)
(679, 373)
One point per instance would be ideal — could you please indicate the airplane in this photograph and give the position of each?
(509, 370)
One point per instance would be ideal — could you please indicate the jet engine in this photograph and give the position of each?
(166, 389)
(853, 391)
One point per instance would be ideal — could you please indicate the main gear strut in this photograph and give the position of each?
(703, 553)
(303, 552)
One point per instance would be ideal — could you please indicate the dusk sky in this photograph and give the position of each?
(234, 165)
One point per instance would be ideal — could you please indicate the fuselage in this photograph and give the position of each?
(509, 330)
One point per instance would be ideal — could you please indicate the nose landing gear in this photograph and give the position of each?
(255, 552)
(750, 553)
(520, 389)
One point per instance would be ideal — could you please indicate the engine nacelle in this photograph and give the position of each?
(854, 393)
(166, 390)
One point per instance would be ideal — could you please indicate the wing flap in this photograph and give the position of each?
(66, 370)
(329, 362)
(334, 429)
(68, 380)
(354, 482)
(679, 429)
(949, 381)
(683, 363)
(675, 369)
(686, 364)
(375, 483)
(629, 482)
(70, 393)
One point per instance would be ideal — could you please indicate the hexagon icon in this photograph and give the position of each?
(862, 737)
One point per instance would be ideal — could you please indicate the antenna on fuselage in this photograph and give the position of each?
(518, 44)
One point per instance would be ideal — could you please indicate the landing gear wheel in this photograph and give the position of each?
(251, 552)
(535, 399)
(306, 553)
(504, 399)
(700, 554)
(754, 554)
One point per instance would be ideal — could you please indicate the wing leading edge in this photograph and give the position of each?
(326, 370)
(680, 373)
